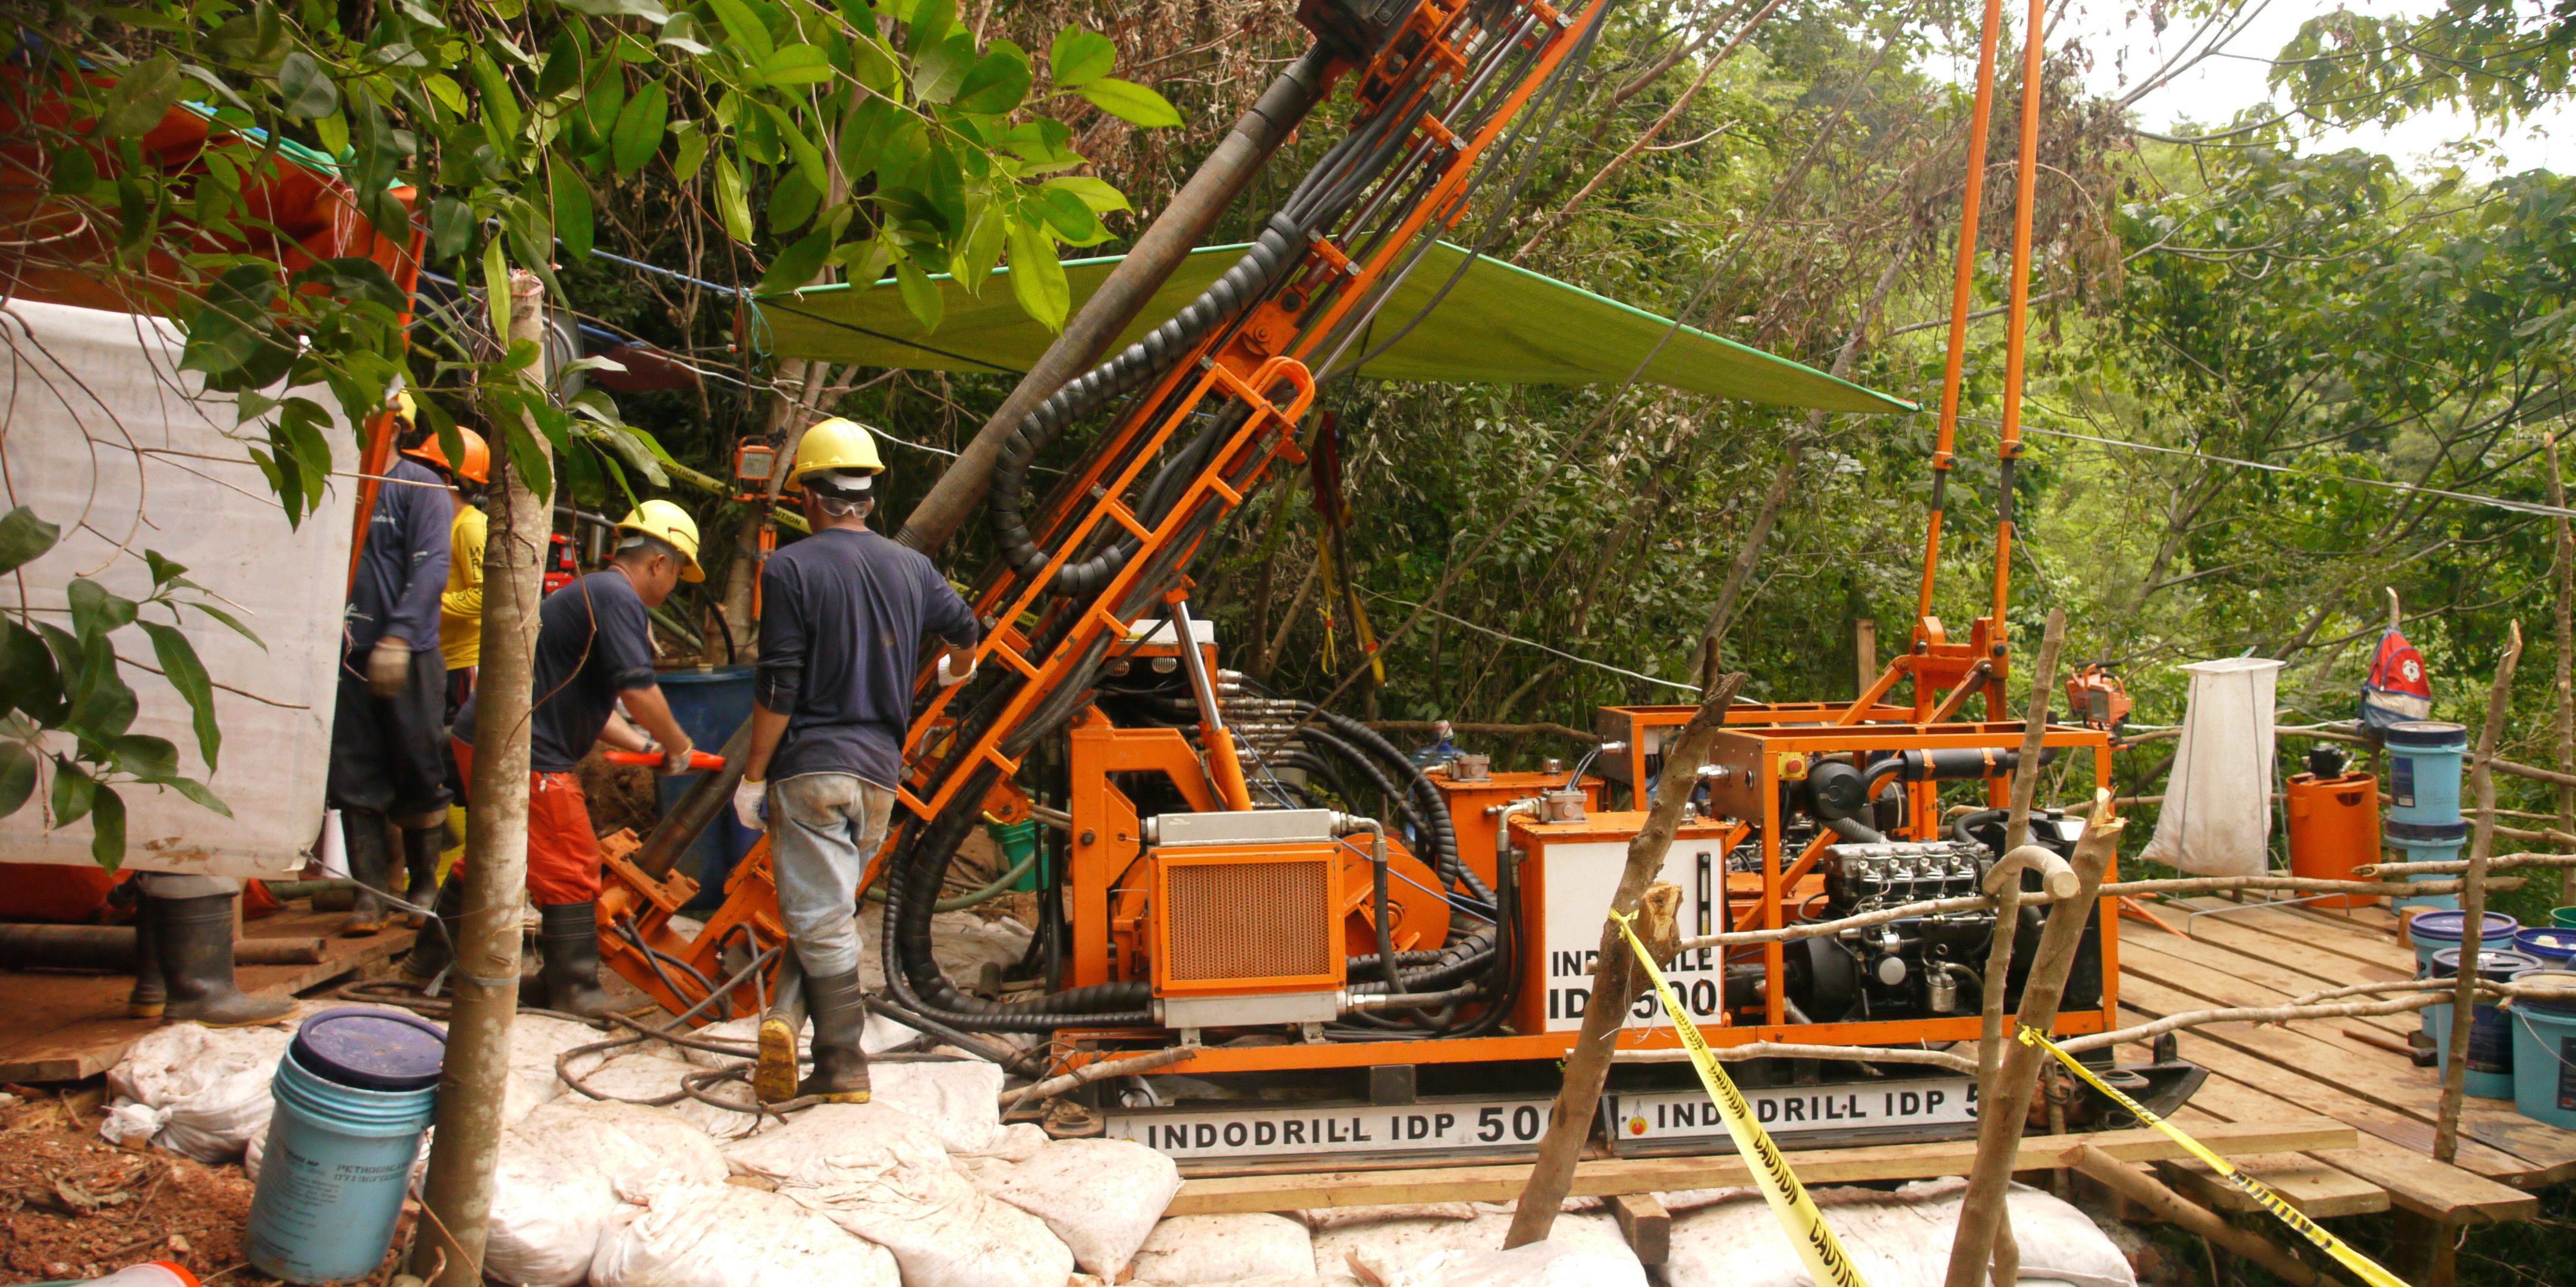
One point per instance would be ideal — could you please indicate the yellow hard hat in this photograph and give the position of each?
(835, 444)
(664, 521)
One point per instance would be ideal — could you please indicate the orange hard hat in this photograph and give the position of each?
(477, 468)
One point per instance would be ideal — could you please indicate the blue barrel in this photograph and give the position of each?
(2555, 947)
(2440, 931)
(353, 1093)
(2490, 1039)
(2424, 771)
(710, 703)
(2544, 1050)
(2426, 842)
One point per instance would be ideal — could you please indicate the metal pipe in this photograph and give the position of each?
(1124, 294)
(1962, 288)
(710, 795)
(111, 948)
(1222, 764)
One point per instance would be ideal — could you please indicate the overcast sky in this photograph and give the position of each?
(2127, 50)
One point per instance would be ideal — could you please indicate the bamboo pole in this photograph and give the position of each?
(2473, 902)
(1615, 983)
(2136, 1185)
(457, 1191)
(2000, 1118)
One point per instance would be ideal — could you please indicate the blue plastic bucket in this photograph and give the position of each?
(352, 1095)
(2555, 947)
(2440, 932)
(2544, 1051)
(709, 703)
(2424, 771)
(2490, 1039)
(2426, 842)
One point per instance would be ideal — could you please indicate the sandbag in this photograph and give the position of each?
(1899, 1239)
(1320, 1219)
(880, 1173)
(1539, 1264)
(1393, 1249)
(535, 1040)
(725, 1235)
(959, 1099)
(556, 1184)
(194, 1090)
(645, 1074)
(1101, 1196)
(1191, 1249)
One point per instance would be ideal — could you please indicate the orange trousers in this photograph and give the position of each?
(563, 853)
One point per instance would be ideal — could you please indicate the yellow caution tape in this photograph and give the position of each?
(1815, 1241)
(2362, 1266)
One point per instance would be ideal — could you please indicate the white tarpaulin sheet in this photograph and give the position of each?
(101, 435)
(2217, 817)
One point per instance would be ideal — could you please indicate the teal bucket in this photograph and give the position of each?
(2439, 931)
(2563, 917)
(2544, 1052)
(352, 1095)
(2490, 1074)
(1018, 842)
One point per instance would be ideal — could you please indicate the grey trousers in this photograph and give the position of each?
(823, 829)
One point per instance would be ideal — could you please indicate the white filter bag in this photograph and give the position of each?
(2217, 816)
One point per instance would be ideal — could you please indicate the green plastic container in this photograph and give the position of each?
(1018, 842)
(2563, 917)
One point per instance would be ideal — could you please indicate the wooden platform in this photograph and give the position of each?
(63, 1027)
(2265, 956)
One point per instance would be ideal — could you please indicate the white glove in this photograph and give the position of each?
(751, 805)
(388, 666)
(947, 680)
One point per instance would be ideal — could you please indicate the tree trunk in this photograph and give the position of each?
(2566, 599)
(2473, 901)
(1615, 983)
(458, 1188)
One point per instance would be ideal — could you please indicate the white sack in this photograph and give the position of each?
(1101, 1196)
(1226, 1248)
(1899, 1239)
(83, 385)
(880, 1173)
(1321, 1219)
(535, 1040)
(646, 1075)
(725, 1235)
(1394, 1249)
(960, 1099)
(556, 1185)
(1538, 1264)
(2217, 815)
(195, 1090)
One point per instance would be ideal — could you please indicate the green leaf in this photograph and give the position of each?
(929, 24)
(1070, 218)
(107, 828)
(562, 73)
(354, 278)
(451, 227)
(938, 71)
(920, 294)
(795, 266)
(496, 290)
(1037, 276)
(29, 679)
(809, 158)
(149, 758)
(95, 612)
(17, 777)
(74, 791)
(1000, 80)
(730, 202)
(141, 98)
(234, 325)
(795, 65)
(1080, 57)
(195, 790)
(1131, 102)
(528, 457)
(648, 10)
(187, 677)
(792, 201)
(980, 248)
(683, 33)
(75, 172)
(1097, 195)
(638, 132)
(571, 206)
(692, 154)
(745, 27)
(228, 619)
(24, 538)
(304, 90)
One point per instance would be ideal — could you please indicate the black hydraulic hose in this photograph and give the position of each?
(1444, 834)
(1961, 826)
(1379, 861)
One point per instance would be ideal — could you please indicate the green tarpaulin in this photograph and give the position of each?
(1500, 324)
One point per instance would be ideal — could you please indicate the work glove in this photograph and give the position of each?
(949, 680)
(388, 667)
(751, 805)
(675, 758)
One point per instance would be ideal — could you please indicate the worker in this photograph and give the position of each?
(386, 728)
(460, 634)
(594, 650)
(843, 613)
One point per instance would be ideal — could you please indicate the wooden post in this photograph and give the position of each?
(2000, 1117)
(2165, 1204)
(1864, 654)
(458, 1188)
(2025, 782)
(1614, 984)
(2473, 901)
(2565, 564)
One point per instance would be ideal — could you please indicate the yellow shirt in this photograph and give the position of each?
(460, 608)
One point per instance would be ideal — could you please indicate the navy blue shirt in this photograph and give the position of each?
(848, 608)
(594, 641)
(404, 567)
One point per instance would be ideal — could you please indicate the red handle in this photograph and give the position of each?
(697, 759)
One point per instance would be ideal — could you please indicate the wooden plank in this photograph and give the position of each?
(1227, 1194)
(1649, 1228)
(2302, 1181)
(64, 1027)
(2263, 931)
(2218, 986)
(2271, 979)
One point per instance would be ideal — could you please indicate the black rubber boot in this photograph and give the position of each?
(196, 945)
(569, 938)
(420, 863)
(151, 992)
(371, 865)
(840, 1011)
(434, 951)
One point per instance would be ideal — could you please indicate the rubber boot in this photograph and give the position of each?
(420, 863)
(196, 945)
(840, 1011)
(569, 938)
(774, 1073)
(151, 992)
(433, 951)
(371, 865)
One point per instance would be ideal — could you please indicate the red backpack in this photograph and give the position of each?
(2397, 690)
